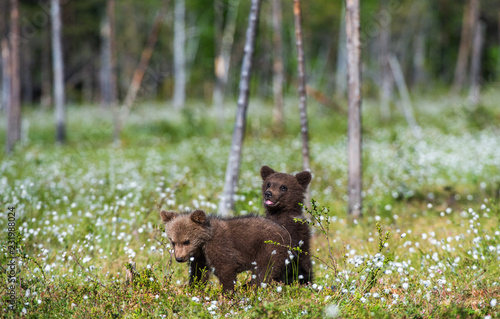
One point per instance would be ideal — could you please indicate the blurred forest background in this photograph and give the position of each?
(424, 35)
(164, 79)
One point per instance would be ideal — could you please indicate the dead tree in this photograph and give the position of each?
(278, 116)
(179, 97)
(6, 78)
(123, 111)
(354, 112)
(224, 43)
(475, 71)
(14, 107)
(340, 72)
(58, 69)
(471, 15)
(3, 32)
(45, 73)
(226, 204)
(406, 104)
(385, 70)
(108, 57)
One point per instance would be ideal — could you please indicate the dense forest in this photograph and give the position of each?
(424, 36)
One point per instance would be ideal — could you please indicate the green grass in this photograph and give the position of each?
(428, 245)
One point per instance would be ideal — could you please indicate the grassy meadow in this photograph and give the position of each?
(428, 245)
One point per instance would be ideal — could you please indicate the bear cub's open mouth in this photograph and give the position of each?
(270, 203)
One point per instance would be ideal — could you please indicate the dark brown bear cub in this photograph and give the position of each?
(227, 247)
(282, 195)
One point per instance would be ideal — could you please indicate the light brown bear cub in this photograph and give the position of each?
(227, 247)
(283, 195)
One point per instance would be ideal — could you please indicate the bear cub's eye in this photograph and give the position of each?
(268, 185)
(186, 242)
(173, 244)
(283, 188)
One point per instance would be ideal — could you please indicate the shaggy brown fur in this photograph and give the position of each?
(227, 247)
(282, 193)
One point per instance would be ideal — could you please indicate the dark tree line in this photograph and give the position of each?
(425, 36)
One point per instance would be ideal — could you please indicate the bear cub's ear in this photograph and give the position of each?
(304, 178)
(266, 171)
(199, 217)
(167, 216)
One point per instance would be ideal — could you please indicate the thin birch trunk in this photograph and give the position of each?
(26, 79)
(278, 115)
(3, 32)
(226, 204)
(340, 78)
(14, 107)
(419, 58)
(88, 83)
(223, 58)
(113, 81)
(123, 111)
(301, 85)
(406, 105)
(179, 97)
(471, 14)
(354, 112)
(385, 69)
(58, 69)
(475, 72)
(463, 51)
(6, 84)
(108, 58)
(45, 72)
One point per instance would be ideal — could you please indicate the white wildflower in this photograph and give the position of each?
(332, 311)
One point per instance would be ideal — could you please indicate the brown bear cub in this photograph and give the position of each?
(282, 195)
(229, 246)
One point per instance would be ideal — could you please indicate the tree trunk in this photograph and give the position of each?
(224, 46)
(278, 115)
(354, 113)
(45, 72)
(108, 57)
(385, 70)
(179, 97)
(4, 9)
(26, 79)
(471, 14)
(88, 83)
(475, 72)
(14, 108)
(301, 85)
(419, 74)
(340, 78)
(6, 85)
(122, 113)
(406, 105)
(233, 165)
(58, 69)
